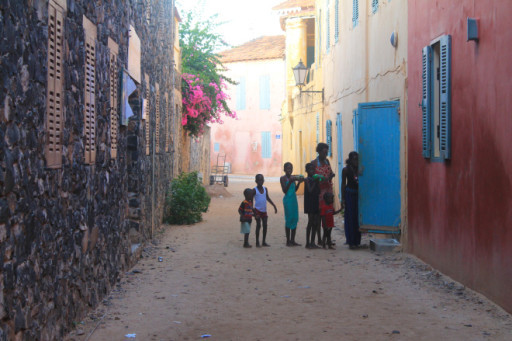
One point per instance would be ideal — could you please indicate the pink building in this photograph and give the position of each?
(459, 141)
(252, 144)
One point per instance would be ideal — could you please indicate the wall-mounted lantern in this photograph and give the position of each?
(300, 72)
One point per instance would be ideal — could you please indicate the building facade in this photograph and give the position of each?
(459, 158)
(252, 143)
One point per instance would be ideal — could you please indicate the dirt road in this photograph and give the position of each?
(207, 284)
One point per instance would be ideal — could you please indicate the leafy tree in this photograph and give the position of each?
(203, 84)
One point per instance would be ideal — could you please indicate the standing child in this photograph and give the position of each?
(260, 208)
(327, 213)
(290, 184)
(246, 212)
(311, 206)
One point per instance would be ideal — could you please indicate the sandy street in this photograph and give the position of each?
(207, 284)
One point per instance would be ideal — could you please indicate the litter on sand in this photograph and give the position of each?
(130, 336)
(305, 287)
(177, 322)
(285, 296)
(204, 336)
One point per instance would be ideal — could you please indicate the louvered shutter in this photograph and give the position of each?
(336, 20)
(266, 148)
(166, 122)
(328, 28)
(445, 97)
(55, 99)
(328, 135)
(426, 105)
(146, 115)
(355, 12)
(90, 92)
(355, 123)
(240, 94)
(265, 92)
(157, 119)
(114, 95)
(375, 6)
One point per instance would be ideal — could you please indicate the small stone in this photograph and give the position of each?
(468, 325)
(80, 332)
(395, 332)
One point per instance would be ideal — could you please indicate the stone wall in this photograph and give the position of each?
(68, 232)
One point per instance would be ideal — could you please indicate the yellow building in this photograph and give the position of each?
(355, 57)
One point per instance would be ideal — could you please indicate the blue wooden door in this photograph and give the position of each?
(379, 163)
(339, 139)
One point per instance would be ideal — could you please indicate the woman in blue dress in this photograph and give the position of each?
(290, 184)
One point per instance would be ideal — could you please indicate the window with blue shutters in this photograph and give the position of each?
(328, 135)
(266, 145)
(265, 92)
(240, 94)
(328, 28)
(375, 6)
(336, 20)
(355, 12)
(216, 147)
(436, 100)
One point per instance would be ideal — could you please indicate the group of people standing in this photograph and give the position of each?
(318, 203)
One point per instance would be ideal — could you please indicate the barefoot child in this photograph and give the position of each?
(246, 212)
(290, 184)
(260, 208)
(311, 206)
(327, 213)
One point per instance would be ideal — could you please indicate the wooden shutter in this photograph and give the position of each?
(240, 94)
(114, 91)
(166, 122)
(54, 93)
(445, 97)
(266, 147)
(265, 92)
(147, 115)
(157, 120)
(426, 105)
(328, 135)
(90, 92)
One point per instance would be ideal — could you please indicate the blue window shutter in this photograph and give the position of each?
(355, 123)
(355, 12)
(266, 146)
(336, 20)
(426, 106)
(445, 59)
(328, 28)
(240, 94)
(328, 135)
(265, 92)
(375, 6)
(216, 147)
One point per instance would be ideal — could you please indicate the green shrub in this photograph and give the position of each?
(186, 199)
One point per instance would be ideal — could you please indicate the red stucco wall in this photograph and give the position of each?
(460, 211)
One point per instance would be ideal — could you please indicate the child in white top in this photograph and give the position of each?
(260, 209)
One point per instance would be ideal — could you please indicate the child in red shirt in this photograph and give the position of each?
(246, 212)
(327, 213)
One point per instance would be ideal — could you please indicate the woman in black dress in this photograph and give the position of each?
(349, 190)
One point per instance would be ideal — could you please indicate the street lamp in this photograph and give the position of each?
(300, 73)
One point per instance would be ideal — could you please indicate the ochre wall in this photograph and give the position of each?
(460, 211)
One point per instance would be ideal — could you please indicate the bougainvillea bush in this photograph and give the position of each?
(203, 84)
